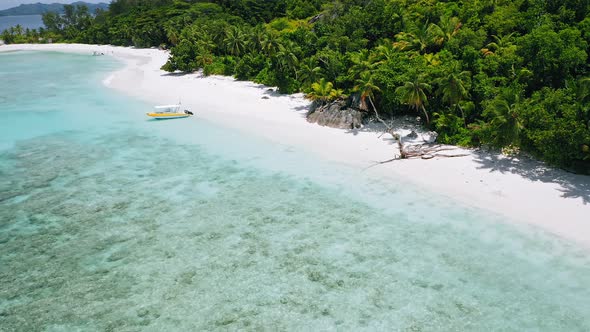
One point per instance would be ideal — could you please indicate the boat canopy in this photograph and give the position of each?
(167, 106)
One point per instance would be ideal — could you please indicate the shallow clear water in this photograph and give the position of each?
(112, 222)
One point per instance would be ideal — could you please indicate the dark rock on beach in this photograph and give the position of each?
(337, 114)
(412, 134)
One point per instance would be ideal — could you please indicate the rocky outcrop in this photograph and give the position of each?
(430, 137)
(315, 18)
(413, 134)
(337, 114)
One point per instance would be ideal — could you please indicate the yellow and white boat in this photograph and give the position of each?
(169, 112)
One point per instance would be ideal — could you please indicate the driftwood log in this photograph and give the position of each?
(425, 150)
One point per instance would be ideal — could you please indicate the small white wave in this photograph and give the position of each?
(107, 81)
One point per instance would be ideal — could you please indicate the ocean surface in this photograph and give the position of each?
(26, 21)
(112, 222)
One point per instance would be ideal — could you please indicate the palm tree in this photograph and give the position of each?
(498, 45)
(365, 86)
(323, 91)
(235, 41)
(504, 119)
(218, 32)
(445, 30)
(172, 34)
(432, 59)
(205, 42)
(270, 44)
(309, 71)
(332, 62)
(362, 61)
(257, 36)
(18, 29)
(583, 95)
(453, 89)
(287, 57)
(203, 58)
(385, 51)
(583, 89)
(413, 94)
(419, 38)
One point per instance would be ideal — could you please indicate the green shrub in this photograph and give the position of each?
(215, 68)
(452, 130)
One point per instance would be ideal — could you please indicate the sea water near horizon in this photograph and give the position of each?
(26, 21)
(109, 221)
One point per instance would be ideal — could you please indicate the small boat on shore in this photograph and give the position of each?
(169, 112)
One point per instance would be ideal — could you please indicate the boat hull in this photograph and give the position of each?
(165, 116)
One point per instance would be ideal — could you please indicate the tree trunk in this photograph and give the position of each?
(377, 115)
(462, 115)
(425, 114)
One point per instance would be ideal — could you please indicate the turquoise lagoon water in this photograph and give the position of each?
(111, 222)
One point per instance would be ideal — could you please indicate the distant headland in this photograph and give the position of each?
(40, 8)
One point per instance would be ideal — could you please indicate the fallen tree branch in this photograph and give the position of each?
(430, 156)
(425, 150)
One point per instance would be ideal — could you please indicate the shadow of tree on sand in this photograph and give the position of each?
(176, 74)
(570, 185)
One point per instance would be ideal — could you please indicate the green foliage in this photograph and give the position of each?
(556, 127)
(285, 25)
(492, 72)
(249, 66)
(71, 25)
(413, 93)
(553, 56)
(299, 9)
(323, 92)
(182, 57)
(217, 67)
(504, 120)
(235, 41)
(17, 34)
(263, 77)
(451, 129)
(366, 87)
(309, 71)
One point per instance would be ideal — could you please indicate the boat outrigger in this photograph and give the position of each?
(169, 112)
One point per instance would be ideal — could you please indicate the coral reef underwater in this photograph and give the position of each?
(95, 237)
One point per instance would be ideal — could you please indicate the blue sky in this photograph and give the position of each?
(13, 3)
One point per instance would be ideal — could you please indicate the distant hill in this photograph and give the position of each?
(40, 8)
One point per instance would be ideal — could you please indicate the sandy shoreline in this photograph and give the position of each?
(523, 190)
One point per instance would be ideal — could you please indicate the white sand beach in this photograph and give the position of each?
(523, 190)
